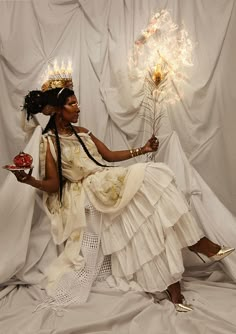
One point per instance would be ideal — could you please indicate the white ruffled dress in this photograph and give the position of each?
(145, 219)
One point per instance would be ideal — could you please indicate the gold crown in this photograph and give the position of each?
(58, 76)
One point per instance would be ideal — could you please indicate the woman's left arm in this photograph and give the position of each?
(113, 156)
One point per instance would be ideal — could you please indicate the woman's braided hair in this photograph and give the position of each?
(34, 103)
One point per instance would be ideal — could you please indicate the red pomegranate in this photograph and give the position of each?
(23, 160)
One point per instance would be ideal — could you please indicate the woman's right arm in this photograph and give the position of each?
(50, 183)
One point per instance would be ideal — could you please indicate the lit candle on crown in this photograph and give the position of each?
(50, 73)
(69, 69)
(56, 70)
(63, 70)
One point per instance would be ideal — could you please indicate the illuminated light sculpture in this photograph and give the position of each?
(160, 58)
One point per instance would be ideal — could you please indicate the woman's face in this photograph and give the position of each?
(70, 111)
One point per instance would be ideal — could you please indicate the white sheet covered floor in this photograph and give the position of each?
(210, 292)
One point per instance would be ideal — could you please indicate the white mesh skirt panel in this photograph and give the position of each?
(75, 285)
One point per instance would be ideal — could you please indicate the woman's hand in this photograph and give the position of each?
(22, 176)
(49, 184)
(151, 145)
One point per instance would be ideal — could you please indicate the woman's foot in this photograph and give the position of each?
(213, 251)
(174, 294)
(206, 247)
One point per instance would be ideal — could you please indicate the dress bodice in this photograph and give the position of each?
(76, 165)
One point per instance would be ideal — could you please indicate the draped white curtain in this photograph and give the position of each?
(97, 37)
(197, 140)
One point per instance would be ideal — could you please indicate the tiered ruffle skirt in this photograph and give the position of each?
(147, 237)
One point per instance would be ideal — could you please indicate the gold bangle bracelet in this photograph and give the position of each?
(135, 152)
(138, 151)
(131, 153)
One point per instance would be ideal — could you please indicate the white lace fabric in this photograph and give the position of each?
(74, 286)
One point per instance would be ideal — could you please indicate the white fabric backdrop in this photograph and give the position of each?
(97, 36)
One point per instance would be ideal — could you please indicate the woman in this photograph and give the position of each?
(145, 219)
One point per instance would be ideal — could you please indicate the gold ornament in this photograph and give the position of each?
(58, 77)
